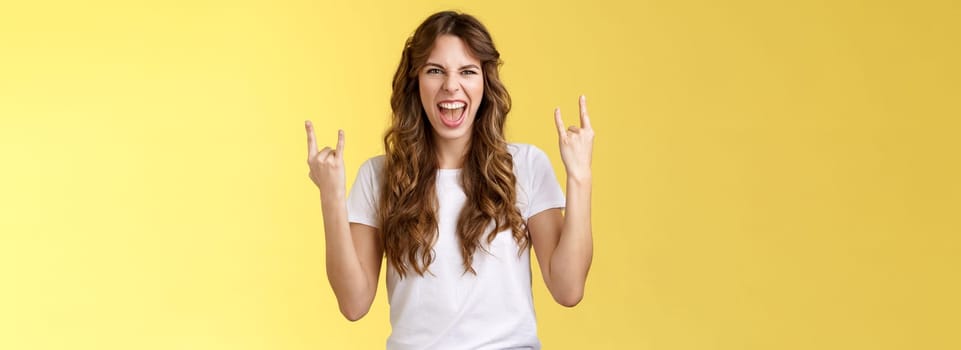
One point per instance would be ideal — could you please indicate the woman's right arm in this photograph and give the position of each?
(354, 253)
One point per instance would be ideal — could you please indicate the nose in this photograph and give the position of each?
(451, 84)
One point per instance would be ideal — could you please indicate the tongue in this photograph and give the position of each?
(451, 114)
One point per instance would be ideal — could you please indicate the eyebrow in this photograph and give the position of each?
(442, 67)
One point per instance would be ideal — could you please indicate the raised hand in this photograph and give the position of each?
(326, 165)
(576, 143)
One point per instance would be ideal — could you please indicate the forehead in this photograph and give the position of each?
(450, 50)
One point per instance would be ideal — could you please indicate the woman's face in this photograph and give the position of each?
(451, 88)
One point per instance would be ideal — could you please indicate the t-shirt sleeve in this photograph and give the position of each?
(362, 200)
(545, 190)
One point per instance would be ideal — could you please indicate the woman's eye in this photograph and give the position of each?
(468, 72)
(433, 71)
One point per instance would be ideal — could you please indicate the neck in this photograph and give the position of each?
(451, 153)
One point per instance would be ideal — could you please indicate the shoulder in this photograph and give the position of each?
(373, 164)
(537, 185)
(527, 155)
(530, 162)
(524, 152)
(371, 170)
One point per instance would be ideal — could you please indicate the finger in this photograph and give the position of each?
(573, 129)
(340, 144)
(324, 153)
(311, 142)
(559, 122)
(585, 120)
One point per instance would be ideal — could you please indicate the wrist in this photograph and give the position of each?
(332, 197)
(579, 180)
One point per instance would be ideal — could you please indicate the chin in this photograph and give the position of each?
(453, 134)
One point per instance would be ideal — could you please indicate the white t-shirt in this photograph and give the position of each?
(450, 309)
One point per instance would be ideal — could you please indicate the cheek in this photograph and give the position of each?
(477, 92)
(423, 87)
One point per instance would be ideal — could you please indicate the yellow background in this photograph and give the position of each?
(768, 175)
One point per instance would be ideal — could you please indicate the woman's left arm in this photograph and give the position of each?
(563, 243)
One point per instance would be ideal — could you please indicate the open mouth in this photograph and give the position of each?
(452, 112)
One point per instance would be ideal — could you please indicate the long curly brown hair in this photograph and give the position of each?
(408, 205)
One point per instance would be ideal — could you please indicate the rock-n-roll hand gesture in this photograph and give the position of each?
(326, 165)
(576, 144)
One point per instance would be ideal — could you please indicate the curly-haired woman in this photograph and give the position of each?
(453, 206)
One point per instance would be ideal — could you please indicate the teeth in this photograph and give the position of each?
(452, 105)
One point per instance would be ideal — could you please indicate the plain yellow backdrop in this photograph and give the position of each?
(768, 174)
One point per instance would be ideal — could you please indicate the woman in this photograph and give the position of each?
(453, 206)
